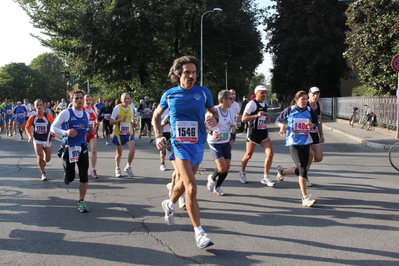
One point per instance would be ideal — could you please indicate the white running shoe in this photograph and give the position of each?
(44, 177)
(182, 201)
(211, 184)
(267, 181)
(128, 170)
(280, 176)
(106, 143)
(203, 241)
(118, 172)
(169, 213)
(308, 184)
(243, 177)
(218, 191)
(308, 201)
(170, 189)
(162, 167)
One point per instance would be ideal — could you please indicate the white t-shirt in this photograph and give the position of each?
(226, 120)
(116, 110)
(166, 128)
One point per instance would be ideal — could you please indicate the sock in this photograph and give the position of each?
(80, 200)
(266, 176)
(93, 169)
(198, 230)
(171, 205)
(222, 177)
(215, 174)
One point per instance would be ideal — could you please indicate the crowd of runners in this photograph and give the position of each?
(180, 124)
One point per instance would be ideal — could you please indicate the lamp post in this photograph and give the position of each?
(202, 52)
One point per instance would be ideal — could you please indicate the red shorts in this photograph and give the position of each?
(90, 136)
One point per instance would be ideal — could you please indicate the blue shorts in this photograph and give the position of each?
(120, 140)
(220, 150)
(9, 118)
(193, 152)
(20, 120)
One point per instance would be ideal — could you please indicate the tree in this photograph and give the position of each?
(51, 69)
(118, 44)
(18, 81)
(307, 46)
(373, 42)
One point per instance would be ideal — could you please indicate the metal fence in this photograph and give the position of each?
(342, 107)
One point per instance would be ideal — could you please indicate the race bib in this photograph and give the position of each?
(41, 128)
(187, 132)
(9, 112)
(223, 135)
(74, 153)
(107, 116)
(262, 123)
(147, 111)
(124, 128)
(91, 124)
(20, 115)
(300, 127)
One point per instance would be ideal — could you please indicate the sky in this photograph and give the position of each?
(17, 45)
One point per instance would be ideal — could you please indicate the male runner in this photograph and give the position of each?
(92, 138)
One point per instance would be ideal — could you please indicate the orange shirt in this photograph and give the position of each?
(29, 123)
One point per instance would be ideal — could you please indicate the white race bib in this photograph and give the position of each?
(262, 123)
(74, 153)
(187, 132)
(107, 116)
(41, 127)
(124, 128)
(300, 127)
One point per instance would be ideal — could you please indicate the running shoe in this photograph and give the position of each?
(44, 177)
(140, 136)
(308, 184)
(106, 143)
(151, 140)
(243, 177)
(162, 167)
(128, 170)
(170, 189)
(267, 181)
(211, 184)
(94, 174)
(66, 181)
(82, 207)
(280, 176)
(182, 201)
(203, 241)
(118, 172)
(169, 213)
(308, 201)
(218, 191)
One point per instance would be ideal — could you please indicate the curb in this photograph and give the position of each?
(370, 144)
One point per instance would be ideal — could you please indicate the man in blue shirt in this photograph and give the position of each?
(187, 106)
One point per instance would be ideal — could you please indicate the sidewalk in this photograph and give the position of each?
(376, 138)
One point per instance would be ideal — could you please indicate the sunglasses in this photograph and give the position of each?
(229, 98)
(263, 92)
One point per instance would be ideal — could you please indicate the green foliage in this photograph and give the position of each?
(18, 81)
(51, 69)
(363, 91)
(373, 42)
(119, 44)
(307, 41)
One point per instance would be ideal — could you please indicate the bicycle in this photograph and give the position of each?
(369, 118)
(393, 156)
(354, 115)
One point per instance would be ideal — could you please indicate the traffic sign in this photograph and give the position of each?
(395, 63)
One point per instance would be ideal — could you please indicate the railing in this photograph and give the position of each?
(342, 107)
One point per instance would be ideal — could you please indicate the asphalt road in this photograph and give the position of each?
(355, 220)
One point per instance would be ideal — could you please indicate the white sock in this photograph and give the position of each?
(198, 230)
(266, 176)
(171, 205)
(93, 169)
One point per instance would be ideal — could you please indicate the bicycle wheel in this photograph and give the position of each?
(364, 124)
(370, 123)
(393, 156)
(352, 120)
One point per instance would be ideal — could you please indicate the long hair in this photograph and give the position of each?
(177, 67)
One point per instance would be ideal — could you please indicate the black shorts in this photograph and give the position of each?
(257, 136)
(83, 165)
(315, 138)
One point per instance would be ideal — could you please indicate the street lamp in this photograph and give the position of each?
(202, 20)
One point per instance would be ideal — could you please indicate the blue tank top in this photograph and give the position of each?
(80, 125)
(41, 128)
